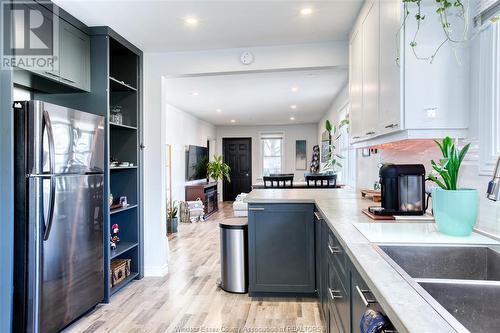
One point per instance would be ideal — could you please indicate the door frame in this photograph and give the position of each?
(224, 142)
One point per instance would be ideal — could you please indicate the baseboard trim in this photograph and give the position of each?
(156, 271)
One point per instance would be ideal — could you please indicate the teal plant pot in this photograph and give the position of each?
(455, 211)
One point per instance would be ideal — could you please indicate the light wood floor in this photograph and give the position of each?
(187, 298)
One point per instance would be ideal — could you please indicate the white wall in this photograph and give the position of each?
(332, 114)
(308, 132)
(184, 129)
(160, 65)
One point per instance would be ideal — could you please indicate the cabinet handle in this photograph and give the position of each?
(334, 250)
(356, 137)
(370, 133)
(332, 295)
(67, 80)
(256, 209)
(361, 293)
(142, 146)
(52, 74)
(318, 217)
(391, 126)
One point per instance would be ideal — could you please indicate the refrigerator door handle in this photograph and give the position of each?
(47, 125)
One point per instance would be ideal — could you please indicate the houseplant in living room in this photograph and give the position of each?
(172, 220)
(332, 158)
(218, 170)
(455, 209)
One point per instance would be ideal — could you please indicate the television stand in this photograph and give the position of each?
(207, 192)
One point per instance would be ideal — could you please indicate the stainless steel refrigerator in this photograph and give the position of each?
(59, 202)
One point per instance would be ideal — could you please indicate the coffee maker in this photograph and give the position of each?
(403, 190)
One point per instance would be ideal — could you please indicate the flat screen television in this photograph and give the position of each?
(196, 163)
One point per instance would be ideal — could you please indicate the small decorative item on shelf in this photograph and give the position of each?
(110, 199)
(124, 201)
(114, 239)
(113, 163)
(120, 270)
(125, 164)
(116, 116)
(172, 221)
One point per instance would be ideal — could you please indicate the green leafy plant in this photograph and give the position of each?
(218, 170)
(445, 9)
(448, 167)
(173, 210)
(332, 158)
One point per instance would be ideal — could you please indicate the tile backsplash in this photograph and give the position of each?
(422, 152)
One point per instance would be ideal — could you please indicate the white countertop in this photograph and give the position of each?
(358, 234)
(415, 232)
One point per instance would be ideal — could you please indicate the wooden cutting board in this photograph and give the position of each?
(376, 196)
(377, 217)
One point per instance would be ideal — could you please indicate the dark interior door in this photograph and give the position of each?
(237, 153)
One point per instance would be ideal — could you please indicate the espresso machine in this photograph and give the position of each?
(403, 190)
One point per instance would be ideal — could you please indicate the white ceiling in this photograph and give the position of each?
(158, 25)
(257, 98)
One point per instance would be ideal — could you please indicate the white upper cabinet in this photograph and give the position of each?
(355, 85)
(401, 97)
(389, 74)
(370, 36)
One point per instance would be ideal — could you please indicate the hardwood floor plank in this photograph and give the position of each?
(188, 299)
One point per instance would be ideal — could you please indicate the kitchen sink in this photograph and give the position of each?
(447, 262)
(462, 283)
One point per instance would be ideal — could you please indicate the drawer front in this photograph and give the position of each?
(338, 257)
(340, 300)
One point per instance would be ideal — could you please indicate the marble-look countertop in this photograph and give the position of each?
(341, 208)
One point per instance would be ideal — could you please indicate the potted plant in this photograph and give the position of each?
(332, 158)
(455, 209)
(172, 220)
(218, 170)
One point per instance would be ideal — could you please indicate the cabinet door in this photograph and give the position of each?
(356, 85)
(324, 268)
(45, 38)
(371, 35)
(317, 250)
(281, 248)
(390, 101)
(74, 56)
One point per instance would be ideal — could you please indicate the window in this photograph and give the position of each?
(272, 153)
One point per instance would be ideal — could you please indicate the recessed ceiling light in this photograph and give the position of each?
(192, 21)
(294, 89)
(218, 110)
(195, 93)
(292, 118)
(233, 121)
(293, 106)
(306, 11)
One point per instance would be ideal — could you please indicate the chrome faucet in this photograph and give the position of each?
(493, 191)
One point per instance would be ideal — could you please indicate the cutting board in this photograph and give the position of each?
(376, 196)
(377, 217)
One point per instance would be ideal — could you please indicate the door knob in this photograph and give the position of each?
(246, 174)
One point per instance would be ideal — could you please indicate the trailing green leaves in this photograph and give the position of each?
(448, 167)
(444, 10)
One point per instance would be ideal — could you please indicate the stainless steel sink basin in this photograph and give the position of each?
(462, 283)
(447, 262)
(473, 304)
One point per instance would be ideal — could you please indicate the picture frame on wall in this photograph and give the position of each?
(300, 155)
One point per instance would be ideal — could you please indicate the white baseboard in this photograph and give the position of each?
(156, 271)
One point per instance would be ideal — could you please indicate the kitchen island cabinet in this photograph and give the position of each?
(281, 249)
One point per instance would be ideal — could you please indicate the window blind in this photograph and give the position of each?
(485, 10)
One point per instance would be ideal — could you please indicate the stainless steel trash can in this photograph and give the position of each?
(234, 255)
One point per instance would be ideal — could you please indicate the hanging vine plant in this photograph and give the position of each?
(445, 9)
